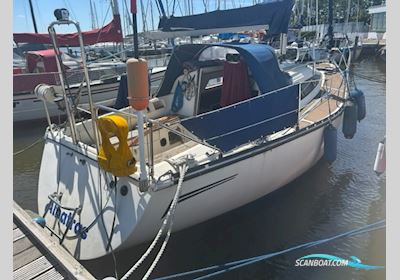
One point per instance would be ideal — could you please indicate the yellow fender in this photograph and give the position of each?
(120, 161)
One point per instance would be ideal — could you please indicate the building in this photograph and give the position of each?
(378, 18)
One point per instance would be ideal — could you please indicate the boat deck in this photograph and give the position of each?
(321, 109)
(37, 256)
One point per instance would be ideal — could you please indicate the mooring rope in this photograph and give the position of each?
(182, 171)
(29, 146)
(168, 219)
(223, 268)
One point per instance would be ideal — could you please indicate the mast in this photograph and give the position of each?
(144, 16)
(114, 7)
(152, 15)
(135, 33)
(115, 11)
(160, 4)
(33, 16)
(330, 22)
(358, 11)
(317, 18)
(348, 15)
(127, 17)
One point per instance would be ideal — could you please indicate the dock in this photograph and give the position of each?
(370, 47)
(36, 255)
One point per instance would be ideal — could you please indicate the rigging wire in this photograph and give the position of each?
(158, 8)
(95, 14)
(38, 11)
(26, 18)
(180, 8)
(167, 5)
(152, 15)
(104, 21)
(144, 16)
(66, 3)
(173, 7)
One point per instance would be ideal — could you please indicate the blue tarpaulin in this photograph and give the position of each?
(275, 109)
(231, 35)
(275, 14)
(247, 121)
(260, 59)
(263, 64)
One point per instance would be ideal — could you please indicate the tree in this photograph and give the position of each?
(305, 11)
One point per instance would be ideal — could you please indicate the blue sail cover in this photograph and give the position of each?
(276, 14)
(247, 121)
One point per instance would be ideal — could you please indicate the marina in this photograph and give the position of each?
(232, 150)
(352, 193)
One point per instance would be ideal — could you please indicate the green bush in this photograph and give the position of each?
(308, 35)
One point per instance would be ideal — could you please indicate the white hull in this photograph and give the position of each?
(228, 168)
(139, 215)
(28, 107)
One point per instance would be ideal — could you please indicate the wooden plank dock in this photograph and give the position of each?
(38, 256)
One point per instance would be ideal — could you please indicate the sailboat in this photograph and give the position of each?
(41, 68)
(228, 125)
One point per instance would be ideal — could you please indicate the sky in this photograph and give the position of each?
(80, 11)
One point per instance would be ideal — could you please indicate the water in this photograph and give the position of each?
(323, 202)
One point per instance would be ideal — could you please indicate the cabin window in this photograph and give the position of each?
(174, 138)
(210, 89)
(291, 54)
(158, 104)
(309, 86)
(163, 142)
(215, 82)
(216, 53)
